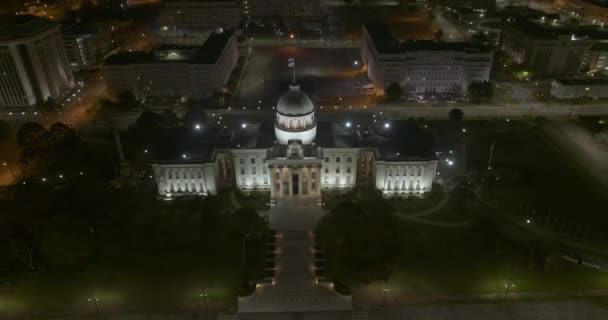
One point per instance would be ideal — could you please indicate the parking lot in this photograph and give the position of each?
(325, 74)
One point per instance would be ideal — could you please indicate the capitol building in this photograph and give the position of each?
(296, 155)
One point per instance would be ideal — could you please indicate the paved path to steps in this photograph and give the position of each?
(295, 289)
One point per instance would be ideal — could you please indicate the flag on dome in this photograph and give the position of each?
(291, 62)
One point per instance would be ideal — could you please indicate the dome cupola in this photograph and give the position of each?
(295, 117)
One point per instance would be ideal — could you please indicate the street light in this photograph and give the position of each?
(197, 127)
(384, 293)
(203, 295)
(94, 300)
(244, 125)
(348, 124)
(387, 125)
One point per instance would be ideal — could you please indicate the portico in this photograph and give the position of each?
(295, 180)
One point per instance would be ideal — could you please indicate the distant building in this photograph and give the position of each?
(33, 62)
(546, 46)
(175, 71)
(579, 87)
(86, 44)
(297, 156)
(191, 16)
(593, 12)
(598, 57)
(422, 67)
(288, 9)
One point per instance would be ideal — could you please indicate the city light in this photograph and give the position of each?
(387, 125)
(197, 127)
(348, 124)
(244, 125)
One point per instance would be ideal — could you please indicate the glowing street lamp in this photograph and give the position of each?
(387, 125)
(348, 124)
(197, 127)
(244, 125)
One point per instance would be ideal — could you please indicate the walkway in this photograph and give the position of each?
(295, 289)
(417, 217)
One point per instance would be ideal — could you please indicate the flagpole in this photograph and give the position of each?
(294, 72)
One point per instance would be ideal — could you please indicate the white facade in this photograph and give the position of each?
(405, 178)
(172, 72)
(33, 63)
(423, 66)
(296, 168)
(180, 179)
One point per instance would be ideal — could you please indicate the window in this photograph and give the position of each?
(255, 180)
(337, 170)
(347, 179)
(183, 174)
(348, 170)
(170, 174)
(277, 176)
(252, 170)
(419, 172)
(326, 179)
(241, 161)
(390, 172)
(242, 170)
(200, 174)
(349, 159)
(337, 180)
(191, 174)
(313, 186)
(326, 170)
(265, 180)
(326, 159)
(252, 160)
(337, 159)
(242, 180)
(264, 170)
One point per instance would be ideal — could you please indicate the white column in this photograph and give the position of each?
(282, 178)
(300, 181)
(272, 183)
(309, 179)
(290, 182)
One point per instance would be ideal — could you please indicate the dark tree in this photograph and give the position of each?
(362, 242)
(5, 130)
(47, 106)
(170, 119)
(31, 134)
(438, 34)
(127, 100)
(479, 91)
(393, 92)
(481, 39)
(456, 114)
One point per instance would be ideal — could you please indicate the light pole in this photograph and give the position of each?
(384, 293)
(94, 300)
(203, 295)
(508, 287)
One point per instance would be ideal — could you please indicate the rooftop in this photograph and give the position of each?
(22, 26)
(583, 80)
(401, 140)
(384, 42)
(548, 29)
(208, 53)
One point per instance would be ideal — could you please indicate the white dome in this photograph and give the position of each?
(295, 102)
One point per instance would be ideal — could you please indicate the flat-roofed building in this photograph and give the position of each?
(175, 71)
(546, 46)
(289, 9)
(197, 15)
(579, 87)
(423, 66)
(33, 63)
(86, 44)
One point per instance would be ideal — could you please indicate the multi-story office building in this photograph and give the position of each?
(298, 156)
(33, 62)
(196, 15)
(598, 57)
(546, 46)
(579, 87)
(422, 66)
(289, 9)
(86, 45)
(175, 71)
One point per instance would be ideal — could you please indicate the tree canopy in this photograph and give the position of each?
(479, 91)
(362, 241)
(393, 92)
